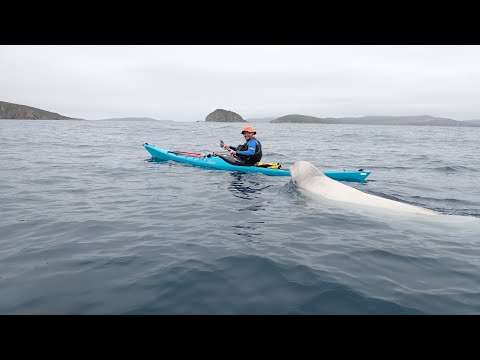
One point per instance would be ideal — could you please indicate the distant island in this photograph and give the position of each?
(21, 112)
(132, 119)
(221, 115)
(419, 120)
(262, 120)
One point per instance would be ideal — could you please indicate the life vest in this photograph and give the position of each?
(250, 159)
(269, 165)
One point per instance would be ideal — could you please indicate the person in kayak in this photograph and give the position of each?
(248, 153)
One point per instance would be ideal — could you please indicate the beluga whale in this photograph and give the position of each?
(314, 182)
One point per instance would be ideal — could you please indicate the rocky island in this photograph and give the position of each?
(221, 115)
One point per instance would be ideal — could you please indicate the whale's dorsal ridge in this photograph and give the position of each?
(313, 180)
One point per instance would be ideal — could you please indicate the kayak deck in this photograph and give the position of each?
(212, 161)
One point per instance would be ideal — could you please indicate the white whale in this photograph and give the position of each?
(314, 181)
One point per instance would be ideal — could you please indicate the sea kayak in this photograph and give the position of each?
(220, 162)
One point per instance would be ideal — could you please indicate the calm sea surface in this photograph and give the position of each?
(90, 224)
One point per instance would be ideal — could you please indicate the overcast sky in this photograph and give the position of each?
(186, 83)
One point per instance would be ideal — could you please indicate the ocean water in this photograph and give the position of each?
(91, 224)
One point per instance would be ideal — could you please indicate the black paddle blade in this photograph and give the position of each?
(221, 143)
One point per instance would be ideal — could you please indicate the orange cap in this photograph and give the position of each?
(248, 129)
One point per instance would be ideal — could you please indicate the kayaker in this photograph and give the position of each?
(250, 152)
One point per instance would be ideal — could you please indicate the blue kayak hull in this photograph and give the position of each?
(216, 162)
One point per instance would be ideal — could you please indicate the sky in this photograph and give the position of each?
(186, 83)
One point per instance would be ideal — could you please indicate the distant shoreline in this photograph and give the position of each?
(10, 111)
(219, 122)
(70, 119)
(419, 120)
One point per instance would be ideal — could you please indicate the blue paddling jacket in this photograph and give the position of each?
(250, 152)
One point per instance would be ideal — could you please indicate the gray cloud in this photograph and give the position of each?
(186, 83)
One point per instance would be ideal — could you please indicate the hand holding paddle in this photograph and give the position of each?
(226, 147)
(222, 144)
